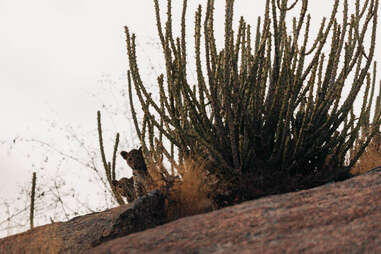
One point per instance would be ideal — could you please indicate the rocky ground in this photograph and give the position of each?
(341, 217)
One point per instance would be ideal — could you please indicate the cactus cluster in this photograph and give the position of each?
(270, 104)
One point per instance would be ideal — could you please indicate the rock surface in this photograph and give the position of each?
(343, 217)
(84, 232)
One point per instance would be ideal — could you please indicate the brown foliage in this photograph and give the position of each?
(371, 158)
(188, 193)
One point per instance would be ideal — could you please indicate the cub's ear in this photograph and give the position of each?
(124, 154)
(140, 148)
(115, 183)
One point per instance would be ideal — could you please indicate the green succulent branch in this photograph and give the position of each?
(109, 166)
(272, 106)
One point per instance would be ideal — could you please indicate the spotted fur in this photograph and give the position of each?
(140, 175)
(125, 187)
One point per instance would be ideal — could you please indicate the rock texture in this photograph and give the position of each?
(343, 217)
(85, 232)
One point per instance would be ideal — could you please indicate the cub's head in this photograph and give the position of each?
(125, 187)
(135, 159)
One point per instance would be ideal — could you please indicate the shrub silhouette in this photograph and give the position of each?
(269, 109)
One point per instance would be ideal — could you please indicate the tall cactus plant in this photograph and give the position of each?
(270, 105)
(108, 166)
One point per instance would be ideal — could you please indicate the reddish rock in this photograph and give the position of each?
(84, 232)
(343, 217)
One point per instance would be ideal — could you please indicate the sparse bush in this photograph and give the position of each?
(191, 193)
(270, 110)
(371, 157)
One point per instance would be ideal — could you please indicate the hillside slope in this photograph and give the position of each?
(343, 217)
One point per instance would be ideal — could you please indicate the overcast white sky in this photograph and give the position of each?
(53, 54)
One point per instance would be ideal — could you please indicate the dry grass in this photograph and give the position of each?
(190, 195)
(371, 158)
(187, 194)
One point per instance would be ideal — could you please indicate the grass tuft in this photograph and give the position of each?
(189, 193)
(371, 158)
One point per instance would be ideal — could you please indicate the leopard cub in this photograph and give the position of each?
(140, 174)
(125, 187)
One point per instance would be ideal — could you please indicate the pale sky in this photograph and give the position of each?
(54, 53)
